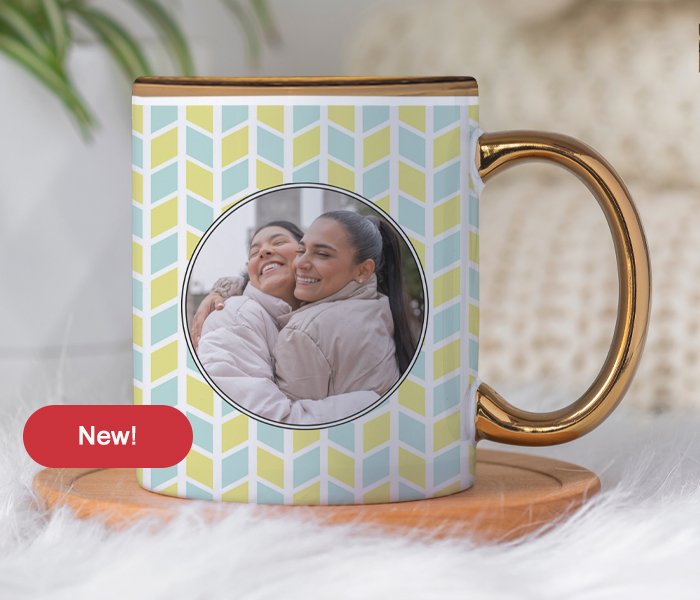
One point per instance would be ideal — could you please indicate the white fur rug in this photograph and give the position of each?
(639, 539)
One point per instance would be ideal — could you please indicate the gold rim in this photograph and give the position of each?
(498, 420)
(304, 86)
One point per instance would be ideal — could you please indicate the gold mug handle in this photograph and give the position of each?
(496, 419)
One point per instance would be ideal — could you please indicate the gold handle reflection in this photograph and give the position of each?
(498, 420)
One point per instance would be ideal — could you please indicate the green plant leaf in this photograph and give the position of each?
(58, 26)
(170, 33)
(248, 27)
(21, 25)
(37, 35)
(54, 81)
(119, 42)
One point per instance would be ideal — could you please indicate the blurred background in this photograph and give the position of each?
(621, 75)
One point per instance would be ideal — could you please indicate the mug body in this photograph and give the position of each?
(213, 160)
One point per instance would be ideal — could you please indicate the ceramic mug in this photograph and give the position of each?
(214, 160)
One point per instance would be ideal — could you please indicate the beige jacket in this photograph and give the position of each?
(343, 343)
(235, 350)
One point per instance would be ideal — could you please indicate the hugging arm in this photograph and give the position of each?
(263, 398)
(211, 302)
(237, 358)
(301, 369)
(223, 288)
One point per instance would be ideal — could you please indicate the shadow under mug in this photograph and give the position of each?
(410, 152)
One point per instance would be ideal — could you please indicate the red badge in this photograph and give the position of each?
(107, 436)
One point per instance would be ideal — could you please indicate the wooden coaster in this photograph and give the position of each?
(514, 494)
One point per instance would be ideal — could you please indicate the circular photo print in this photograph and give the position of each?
(304, 306)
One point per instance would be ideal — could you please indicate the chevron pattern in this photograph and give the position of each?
(193, 162)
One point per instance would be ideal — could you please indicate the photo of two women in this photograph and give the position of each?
(304, 306)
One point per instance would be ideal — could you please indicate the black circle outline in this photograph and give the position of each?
(185, 285)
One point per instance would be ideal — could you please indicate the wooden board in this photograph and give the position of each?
(514, 494)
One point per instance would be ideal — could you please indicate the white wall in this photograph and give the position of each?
(65, 215)
(314, 34)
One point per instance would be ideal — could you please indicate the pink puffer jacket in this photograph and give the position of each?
(236, 352)
(343, 343)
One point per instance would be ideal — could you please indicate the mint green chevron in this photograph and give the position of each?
(306, 144)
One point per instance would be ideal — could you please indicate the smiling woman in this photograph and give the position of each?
(271, 260)
(317, 329)
(349, 274)
(325, 262)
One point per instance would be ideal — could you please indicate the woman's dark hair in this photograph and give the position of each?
(296, 232)
(373, 238)
(288, 225)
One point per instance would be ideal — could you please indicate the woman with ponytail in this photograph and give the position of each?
(352, 330)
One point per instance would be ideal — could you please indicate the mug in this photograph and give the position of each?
(315, 397)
